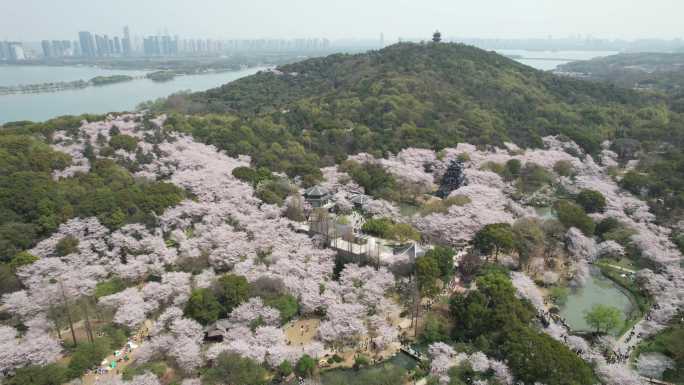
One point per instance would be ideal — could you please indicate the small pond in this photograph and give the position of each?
(598, 290)
(546, 212)
(408, 209)
(347, 376)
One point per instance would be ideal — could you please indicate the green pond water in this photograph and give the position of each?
(408, 209)
(347, 376)
(546, 212)
(598, 290)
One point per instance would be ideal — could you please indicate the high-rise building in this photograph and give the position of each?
(76, 48)
(16, 51)
(47, 49)
(58, 49)
(87, 42)
(117, 45)
(126, 44)
(4, 50)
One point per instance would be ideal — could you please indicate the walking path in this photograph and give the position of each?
(616, 267)
(105, 371)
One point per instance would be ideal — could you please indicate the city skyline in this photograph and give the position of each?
(220, 19)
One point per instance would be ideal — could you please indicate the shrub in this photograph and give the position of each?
(123, 142)
(533, 177)
(564, 168)
(436, 329)
(513, 167)
(306, 366)
(202, 306)
(285, 368)
(88, 355)
(66, 246)
(21, 259)
(109, 287)
(592, 201)
(231, 368)
(572, 215)
(52, 374)
(378, 227)
(287, 305)
(156, 368)
(636, 183)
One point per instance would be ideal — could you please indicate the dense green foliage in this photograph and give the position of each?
(500, 324)
(306, 366)
(591, 201)
(494, 239)
(388, 229)
(109, 287)
(287, 305)
(156, 368)
(123, 142)
(427, 275)
(418, 95)
(202, 306)
(603, 318)
(572, 215)
(435, 329)
(231, 290)
(66, 246)
(234, 369)
(53, 374)
(32, 204)
(373, 178)
(444, 256)
(87, 356)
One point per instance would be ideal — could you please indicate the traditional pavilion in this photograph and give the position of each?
(317, 196)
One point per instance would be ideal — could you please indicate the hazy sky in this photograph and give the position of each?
(32, 20)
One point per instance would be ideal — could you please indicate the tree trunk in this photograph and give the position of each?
(68, 313)
(55, 320)
(89, 329)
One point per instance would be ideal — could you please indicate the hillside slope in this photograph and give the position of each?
(315, 113)
(428, 95)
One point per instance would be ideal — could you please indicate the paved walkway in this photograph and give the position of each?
(616, 267)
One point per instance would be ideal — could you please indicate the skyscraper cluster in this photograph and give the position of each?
(60, 48)
(92, 45)
(11, 51)
(160, 46)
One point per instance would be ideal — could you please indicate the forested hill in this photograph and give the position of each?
(647, 71)
(431, 95)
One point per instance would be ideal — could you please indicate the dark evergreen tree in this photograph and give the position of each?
(453, 178)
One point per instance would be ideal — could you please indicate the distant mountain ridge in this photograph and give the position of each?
(645, 71)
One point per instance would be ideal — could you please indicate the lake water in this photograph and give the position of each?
(126, 96)
(549, 60)
(16, 75)
(598, 290)
(115, 97)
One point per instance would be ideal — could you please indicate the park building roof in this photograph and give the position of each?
(316, 192)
